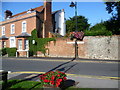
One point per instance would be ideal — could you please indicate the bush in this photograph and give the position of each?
(3, 51)
(98, 30)
(11, 51)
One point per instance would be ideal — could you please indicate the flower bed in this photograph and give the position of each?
(53, 78)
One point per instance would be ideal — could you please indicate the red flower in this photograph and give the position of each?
(52, 77)
(58, 75)
(46, 80)
(59, 80)
(43, 78)
(52, 82)
(64, 78)
(57, 84)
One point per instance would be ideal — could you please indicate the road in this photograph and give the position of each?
(72, 67)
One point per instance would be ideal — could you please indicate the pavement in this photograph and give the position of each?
(82, 81)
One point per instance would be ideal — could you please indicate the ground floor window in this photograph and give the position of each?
(27, 44)
(12, 42)
(3, 44)
(20, 44)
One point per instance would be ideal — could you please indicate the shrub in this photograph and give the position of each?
(11, 51)
(3, 51)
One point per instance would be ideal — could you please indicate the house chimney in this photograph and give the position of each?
(47, 18)
(8, 14)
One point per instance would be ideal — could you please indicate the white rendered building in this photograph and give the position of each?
(59, 25)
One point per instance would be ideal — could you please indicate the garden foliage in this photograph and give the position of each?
(9, 51)
(39, 43)
(53, 78)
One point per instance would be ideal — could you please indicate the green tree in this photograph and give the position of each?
(98, 30)
(98, 26)
(82, 24)
(114, 9)
(113, 24)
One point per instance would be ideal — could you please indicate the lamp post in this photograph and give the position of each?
(75, 5)
(76, 45)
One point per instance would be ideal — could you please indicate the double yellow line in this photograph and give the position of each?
(74, 75)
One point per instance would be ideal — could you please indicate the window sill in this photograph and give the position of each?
(22, 50)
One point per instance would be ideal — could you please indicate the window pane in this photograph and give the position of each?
(12, 42)
(26, 44)
(12, 29)
(3, 30)
(19, 44)
(24, 27)
(4, 44)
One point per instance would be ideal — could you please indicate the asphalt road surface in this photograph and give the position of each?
(72, 67)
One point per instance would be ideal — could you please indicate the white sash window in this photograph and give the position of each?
(24, 26)
(12, 28)
(3, 30)
(20, 44)
(26, 44)
(12, 42)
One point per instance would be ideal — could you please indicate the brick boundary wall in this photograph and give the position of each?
(92, 47)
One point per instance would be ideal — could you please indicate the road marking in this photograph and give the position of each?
(30, 76)
(85, 76)
(64, 60)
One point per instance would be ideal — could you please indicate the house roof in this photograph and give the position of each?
(3, 37)
(39, 9)
(25, 34)
(55, 11)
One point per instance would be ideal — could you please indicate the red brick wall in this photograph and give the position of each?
(92, 47)
(61, 48)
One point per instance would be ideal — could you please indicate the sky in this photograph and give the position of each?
(95, 12)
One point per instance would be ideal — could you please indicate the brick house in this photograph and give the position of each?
(15, 28)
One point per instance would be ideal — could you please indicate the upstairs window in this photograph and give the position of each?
(3, 30)
(23, 26)
(12, 28)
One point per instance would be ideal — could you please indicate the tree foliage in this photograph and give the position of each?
(98, 30)
(82, 24)
(114, 23)
(114, 9)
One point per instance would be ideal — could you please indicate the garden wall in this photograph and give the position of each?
(92, 47)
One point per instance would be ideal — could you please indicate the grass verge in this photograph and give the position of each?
(31, 85)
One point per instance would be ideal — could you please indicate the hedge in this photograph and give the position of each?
(3, 51)
(97, 33)
(11, 51)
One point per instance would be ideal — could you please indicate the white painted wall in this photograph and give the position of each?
(60, 22)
